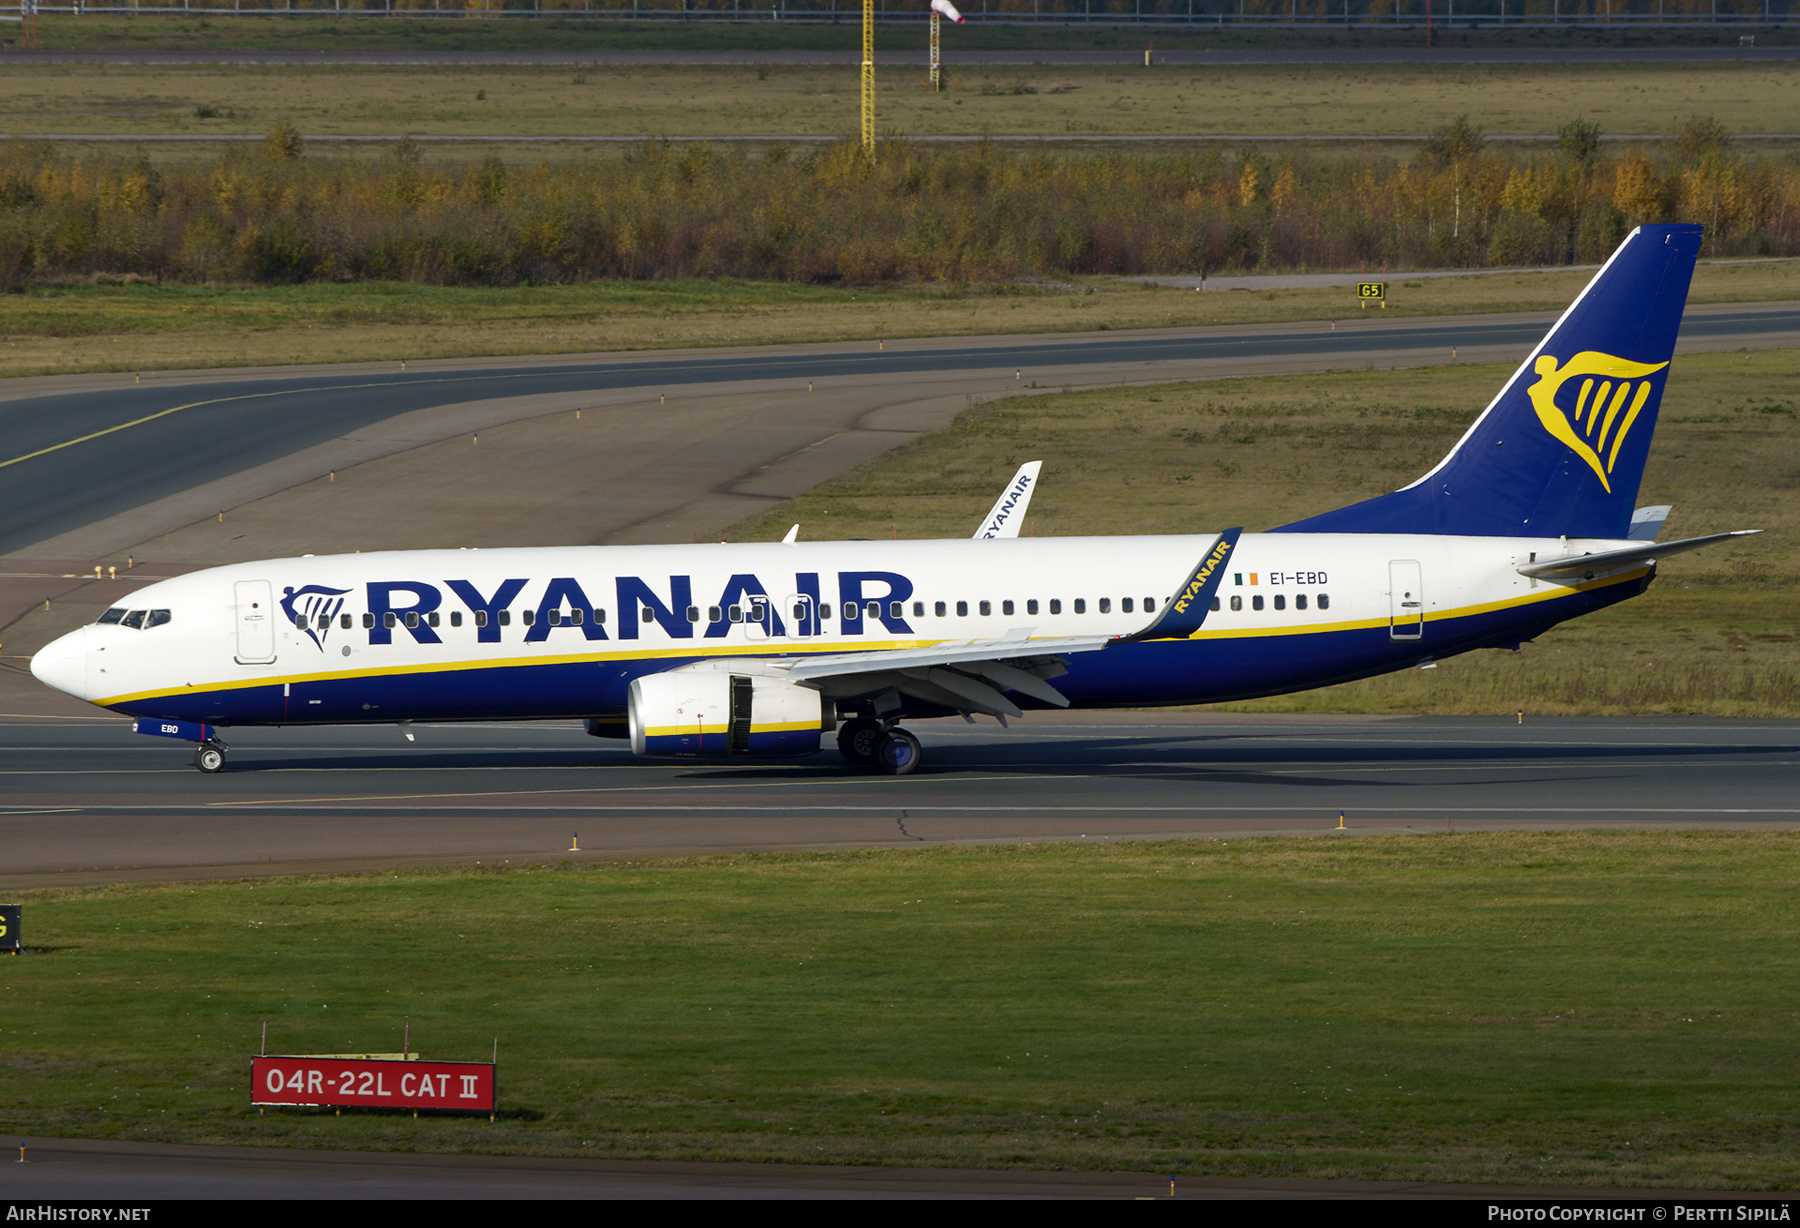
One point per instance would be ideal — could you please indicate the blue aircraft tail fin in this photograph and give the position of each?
(1561, 450)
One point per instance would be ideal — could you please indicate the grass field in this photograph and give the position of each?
(786, 100)
(109, 325)
(1719, 633)
(1603, 1008)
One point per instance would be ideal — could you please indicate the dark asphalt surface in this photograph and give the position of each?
(211, 429)
(100, 1171)
(953, 57)
(89, 802)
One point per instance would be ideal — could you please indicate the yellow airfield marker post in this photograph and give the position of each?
(868, 79)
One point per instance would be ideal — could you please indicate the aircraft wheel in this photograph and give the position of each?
(898, 753)
(209, 758)
(859, 739)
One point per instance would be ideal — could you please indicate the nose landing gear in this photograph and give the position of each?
(890, 750)
(209, 756)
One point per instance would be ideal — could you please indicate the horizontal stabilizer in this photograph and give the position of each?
(1647, 522)
(1587, 566)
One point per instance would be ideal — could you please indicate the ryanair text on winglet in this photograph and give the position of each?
(1197, 585)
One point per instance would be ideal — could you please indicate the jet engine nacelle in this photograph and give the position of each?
(716, 712)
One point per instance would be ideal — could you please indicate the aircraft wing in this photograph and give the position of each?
(968, 675)
(1008, 512)
(1587, 566)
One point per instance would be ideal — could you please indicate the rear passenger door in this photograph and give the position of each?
(255, 622)
(1406, 600)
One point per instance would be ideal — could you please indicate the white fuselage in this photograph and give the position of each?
(465, 634)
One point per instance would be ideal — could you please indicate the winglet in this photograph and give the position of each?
(793, 535)
(1183, 613)
(1008, 513)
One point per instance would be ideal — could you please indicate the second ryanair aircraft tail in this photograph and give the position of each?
(1561, 450)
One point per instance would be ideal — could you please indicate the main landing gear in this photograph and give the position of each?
(209, 756)
(888, 749)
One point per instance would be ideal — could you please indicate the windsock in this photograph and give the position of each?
(947, 9)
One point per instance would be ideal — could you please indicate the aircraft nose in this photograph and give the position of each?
(63, 664)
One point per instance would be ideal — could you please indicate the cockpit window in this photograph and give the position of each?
(156, 619)
(134, 620)
(111, 616)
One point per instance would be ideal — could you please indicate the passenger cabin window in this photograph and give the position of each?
(896, 609)
(1031, 605)
(1280, 601)
(1056, 605)
(1256, 602)
(599, 616)
(939, 609)
(1300, 602)
(1081, 605)
(481, 618)
(1106, 605)
(528, 617)
(1149, 605)
(1124, 605)
(850, 610)
(412, 618)
(368, 620)
(1237, 603)
(919, 609)
(693, 613)
(962, 609)
(504, 617)
(1006, 607)
(649, 615)
(714, 614)
(111, 616)
(388, 619)
(1215, 605)
(344, 621)
(575, 617)
(737, 613)
(432, 618)
(987, 608)
(872, 609)
(553, 617)
(1324, 601)
(456, 618)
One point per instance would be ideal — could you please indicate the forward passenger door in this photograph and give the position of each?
(255, 622)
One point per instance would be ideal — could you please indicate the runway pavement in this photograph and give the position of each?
(101, 1171)
(90, 802)
(96, 465)
(910, 57)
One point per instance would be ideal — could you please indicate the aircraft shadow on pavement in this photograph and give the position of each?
(1177, 758)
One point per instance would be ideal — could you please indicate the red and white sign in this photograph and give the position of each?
(345, 1082)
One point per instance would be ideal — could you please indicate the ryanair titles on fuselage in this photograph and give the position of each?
(567, 604)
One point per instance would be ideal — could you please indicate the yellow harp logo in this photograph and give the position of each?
(1606, 385)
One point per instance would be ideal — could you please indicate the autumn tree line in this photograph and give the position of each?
(278, 212)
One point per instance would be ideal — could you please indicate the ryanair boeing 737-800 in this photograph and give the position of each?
(761, 650)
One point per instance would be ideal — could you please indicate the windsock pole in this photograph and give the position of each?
(868, 79)
(934, 51)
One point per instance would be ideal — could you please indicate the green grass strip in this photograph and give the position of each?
(1593, 1007)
